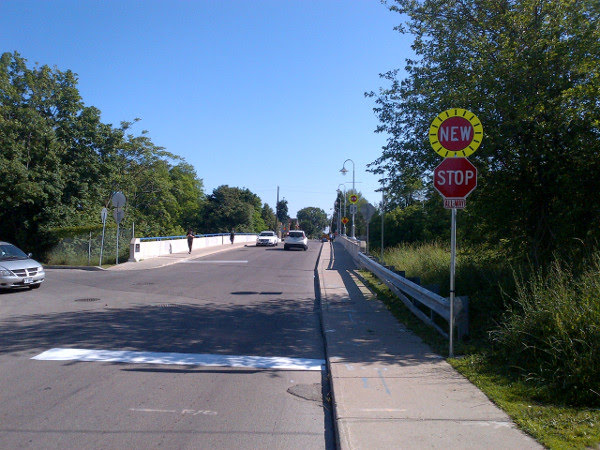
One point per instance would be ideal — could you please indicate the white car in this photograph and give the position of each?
(296, 239)
(18, 270)
(267, 238)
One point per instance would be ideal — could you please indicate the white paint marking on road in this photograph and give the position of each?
(190, 359)
(215, 262)
(153, 410)
(193, 412)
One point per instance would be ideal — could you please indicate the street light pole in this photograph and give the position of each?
(344, 171)
(343, 184)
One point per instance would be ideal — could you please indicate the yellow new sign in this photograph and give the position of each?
(455, 133)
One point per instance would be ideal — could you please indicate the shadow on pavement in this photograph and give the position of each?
(276, 327)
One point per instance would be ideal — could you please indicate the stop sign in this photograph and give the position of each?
(455, 178)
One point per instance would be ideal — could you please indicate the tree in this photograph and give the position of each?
(528, 69)
(313, 221)
(59, 164)
(282, 211)
(268, 216)
(232, 207)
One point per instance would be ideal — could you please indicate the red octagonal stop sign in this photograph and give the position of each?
(455, 178)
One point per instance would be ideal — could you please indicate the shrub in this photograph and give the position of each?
(551, 332)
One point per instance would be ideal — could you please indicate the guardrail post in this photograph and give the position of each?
(462, 318)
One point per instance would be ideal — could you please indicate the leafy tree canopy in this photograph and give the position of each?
(59, 164)
(313, 221)
(529, 69)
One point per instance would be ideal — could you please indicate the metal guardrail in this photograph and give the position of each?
(410, 293)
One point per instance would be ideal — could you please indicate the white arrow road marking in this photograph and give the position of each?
(192, 359)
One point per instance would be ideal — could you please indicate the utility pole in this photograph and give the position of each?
(278, 231)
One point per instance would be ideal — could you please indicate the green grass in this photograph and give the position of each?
(552, 424)
(555, 426)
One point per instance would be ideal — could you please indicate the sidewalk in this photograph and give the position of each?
(389, 390)
(174, 258)
(159, 261)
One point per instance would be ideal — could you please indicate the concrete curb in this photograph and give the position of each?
(90, 268)
(319, 283)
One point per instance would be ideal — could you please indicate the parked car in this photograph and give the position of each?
(18, 269)
(267, 238)
(296, 239)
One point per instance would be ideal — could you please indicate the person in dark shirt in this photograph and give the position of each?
(190, 238)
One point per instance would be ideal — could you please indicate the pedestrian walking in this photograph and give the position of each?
(190, 238)
(232, 236)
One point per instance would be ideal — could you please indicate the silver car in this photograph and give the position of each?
(18, 269)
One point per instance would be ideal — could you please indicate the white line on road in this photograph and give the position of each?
(215, 262)
(193, 359)
(193, 412)
(153, 410)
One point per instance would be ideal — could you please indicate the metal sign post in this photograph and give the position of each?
(452, 275)
(367, 210)
(103, 216)
(382, 220)
(118, 201)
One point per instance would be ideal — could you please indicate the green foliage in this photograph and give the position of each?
(553, 425)
(282, 211)
(551, 332)
(529, 70)
(313, 221)
(232, 207)
(419, 222)
(268, 217)
(59, 165)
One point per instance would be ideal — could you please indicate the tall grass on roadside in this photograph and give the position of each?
(481, 274)
(551, 332)
(429, 261)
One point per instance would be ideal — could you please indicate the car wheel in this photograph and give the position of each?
(305, 247)
(285, 247)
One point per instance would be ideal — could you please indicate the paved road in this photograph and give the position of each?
(246, 302)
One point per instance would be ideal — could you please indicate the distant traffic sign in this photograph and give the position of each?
(455, 178)
(353, 198)
(367, 210)
(118, 215)
(353, 209)
(455, 133)
(345, 220)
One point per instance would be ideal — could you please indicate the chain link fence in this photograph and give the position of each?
(84, 249)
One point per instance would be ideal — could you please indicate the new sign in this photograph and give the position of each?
(455, 132)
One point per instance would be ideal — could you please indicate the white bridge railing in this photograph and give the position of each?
(414, 296)
(146, 248)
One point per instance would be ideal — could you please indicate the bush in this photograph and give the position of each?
(551, 333)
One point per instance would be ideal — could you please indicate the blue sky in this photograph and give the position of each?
(254, 94)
